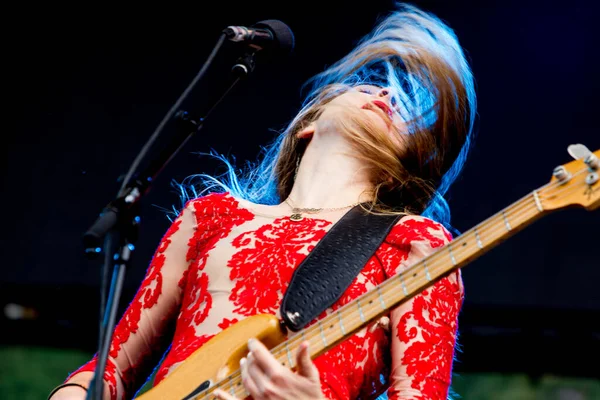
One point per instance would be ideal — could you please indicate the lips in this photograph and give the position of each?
(381, 105)
(386, 109)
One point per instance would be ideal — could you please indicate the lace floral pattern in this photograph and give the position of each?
(233, 264)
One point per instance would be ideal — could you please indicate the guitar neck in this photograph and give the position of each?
(334, 328)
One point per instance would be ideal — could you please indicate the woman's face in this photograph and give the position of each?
(374, 102)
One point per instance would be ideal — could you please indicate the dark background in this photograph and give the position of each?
(89, 86)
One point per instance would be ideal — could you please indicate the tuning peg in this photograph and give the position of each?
(561, 173)
(579, 151)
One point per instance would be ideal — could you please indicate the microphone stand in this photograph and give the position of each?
(120, 217)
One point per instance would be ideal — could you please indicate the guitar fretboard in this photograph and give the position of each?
(348, 319)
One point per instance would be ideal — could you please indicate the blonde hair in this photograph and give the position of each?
(420, 57)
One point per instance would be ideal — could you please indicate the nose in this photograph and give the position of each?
(384, 92)
(388, 94)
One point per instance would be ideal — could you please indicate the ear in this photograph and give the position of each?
(307, 132)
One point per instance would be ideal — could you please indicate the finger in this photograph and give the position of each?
(264, 385)
(247, 380)
(264, 359)
(306, 367)
(383, 323)
(223, 395)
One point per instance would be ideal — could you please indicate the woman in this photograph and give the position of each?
(388, 127)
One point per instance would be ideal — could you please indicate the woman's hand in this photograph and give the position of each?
(265, 378)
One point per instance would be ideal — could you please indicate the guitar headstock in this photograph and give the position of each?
(576, 183)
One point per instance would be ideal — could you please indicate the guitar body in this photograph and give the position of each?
(217, 358)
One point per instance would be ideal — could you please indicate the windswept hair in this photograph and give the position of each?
(419, 57)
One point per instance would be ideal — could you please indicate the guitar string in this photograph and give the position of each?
(348, 321)
(432, 267)
(233, 381)
(483, 231)
(565, 184)
(519, 206)
(458, 252)
(351, 321)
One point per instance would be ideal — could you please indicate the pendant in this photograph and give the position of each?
(296, 217)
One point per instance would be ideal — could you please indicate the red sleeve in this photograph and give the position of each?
(144, 331)
(423, 329)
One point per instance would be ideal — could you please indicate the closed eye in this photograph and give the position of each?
(364, 90)
(372, 90)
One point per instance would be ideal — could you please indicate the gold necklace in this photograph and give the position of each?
(297, 211)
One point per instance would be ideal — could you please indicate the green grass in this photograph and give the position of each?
(30, 373)
(520, 387)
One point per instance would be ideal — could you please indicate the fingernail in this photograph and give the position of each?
(251, 344)
(243, 361)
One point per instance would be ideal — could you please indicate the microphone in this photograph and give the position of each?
(270, 35)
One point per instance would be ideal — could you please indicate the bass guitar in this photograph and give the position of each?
(216, 363)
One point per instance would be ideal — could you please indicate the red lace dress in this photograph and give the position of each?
(220, 262)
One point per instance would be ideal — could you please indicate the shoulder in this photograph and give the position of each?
(416, 228)
(217, 205)
(210, 201)
(411, 239)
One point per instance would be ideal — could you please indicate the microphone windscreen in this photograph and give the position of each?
(284, 40)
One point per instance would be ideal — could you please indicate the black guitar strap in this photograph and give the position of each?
(328, 270)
